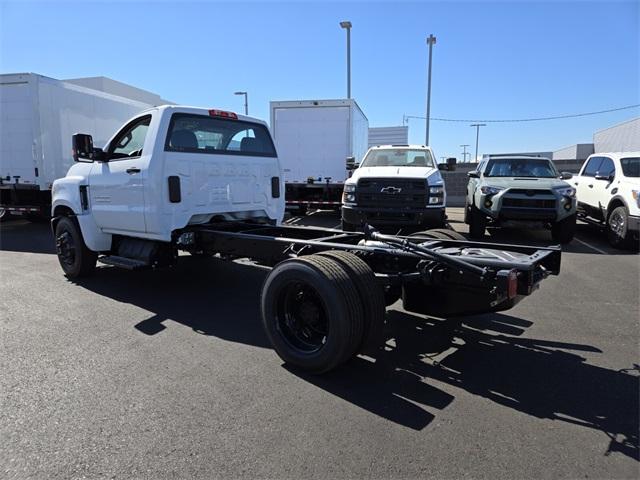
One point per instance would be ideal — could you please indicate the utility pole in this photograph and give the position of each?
(477, 125)
(464, 152)
(347, 26)
(431, 41)
(246, 101)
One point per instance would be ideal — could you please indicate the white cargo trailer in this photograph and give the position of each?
(314, 138)
(38, 116)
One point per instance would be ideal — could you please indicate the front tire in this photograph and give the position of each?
(75, 258)
(564, 230)
(477, 223)
(618, 228)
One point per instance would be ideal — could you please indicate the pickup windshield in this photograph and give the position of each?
(203, 134)
(520, 167)
(630, 166)
(398, 158)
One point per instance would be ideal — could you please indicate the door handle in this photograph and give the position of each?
(576, 184)
(591, 186)
(133, 170)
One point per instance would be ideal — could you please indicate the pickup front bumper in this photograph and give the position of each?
(394, 216)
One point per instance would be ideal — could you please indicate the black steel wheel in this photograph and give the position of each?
(446, 233)
(371, 293)
(312, 313)
(75, 258)
(617, 228)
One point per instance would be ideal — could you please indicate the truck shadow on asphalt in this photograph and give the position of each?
(544, 379)
(24, 236)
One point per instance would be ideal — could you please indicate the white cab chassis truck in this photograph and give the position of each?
(38, 115)
(314, 139)
(209, 182)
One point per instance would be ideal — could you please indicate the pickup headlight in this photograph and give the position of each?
(636, 196)
(490, 190)
(349, 193)
(566, 191)
(436, 194)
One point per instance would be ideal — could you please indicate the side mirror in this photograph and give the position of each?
(451, 162)
(473, 174)
(566, 175)
(443, 166)
(351, 163)
(82, 147)
(608, 178)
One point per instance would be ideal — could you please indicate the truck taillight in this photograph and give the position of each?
(513, 283)
(223, 114)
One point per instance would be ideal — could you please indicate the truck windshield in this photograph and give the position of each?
(630, 166)
(398, 158)
(204, 134)
(520, 167)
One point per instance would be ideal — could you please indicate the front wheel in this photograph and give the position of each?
(618, 228)
(477, 223)
(563, 231)
(75, 258)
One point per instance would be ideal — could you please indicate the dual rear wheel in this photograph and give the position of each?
(321, 310)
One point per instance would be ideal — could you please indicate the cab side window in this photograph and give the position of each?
(130, 141)
(592, 167)
(607, 167)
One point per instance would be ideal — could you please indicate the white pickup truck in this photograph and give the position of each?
(209, 182)
(608, 191)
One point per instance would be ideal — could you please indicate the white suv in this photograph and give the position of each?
(608, 191)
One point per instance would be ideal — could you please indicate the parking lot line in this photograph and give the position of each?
(590, 246)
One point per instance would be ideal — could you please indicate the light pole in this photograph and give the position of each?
(477, 125)
(464, 152)
(431, 41)
(246, 101)
(347, 26)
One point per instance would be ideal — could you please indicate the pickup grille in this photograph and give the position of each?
(392, 193)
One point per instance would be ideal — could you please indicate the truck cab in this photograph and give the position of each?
(167, 168)
(608, 187)
(397, 185)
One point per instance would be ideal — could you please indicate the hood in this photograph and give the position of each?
(523, 182)
(392, 172)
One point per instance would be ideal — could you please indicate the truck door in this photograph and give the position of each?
(585, 184)
(116, 187)
(602, 188)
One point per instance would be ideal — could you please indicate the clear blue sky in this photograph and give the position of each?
(492, 60)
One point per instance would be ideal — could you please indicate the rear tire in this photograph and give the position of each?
(617, 228)
(371, 295)
(312, 313)
(448, 233)
(477, 223)
(563, 231)
(75, 258)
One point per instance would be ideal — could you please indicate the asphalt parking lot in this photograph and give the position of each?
(168, 374)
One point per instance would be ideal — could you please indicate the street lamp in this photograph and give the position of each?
(477, 125)
(431, 41)
(347, 26)
(464, 152)
(246, 101)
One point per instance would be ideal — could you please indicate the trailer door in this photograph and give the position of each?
(17, 144)
(312, 142)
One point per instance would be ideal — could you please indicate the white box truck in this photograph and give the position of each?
(38, 116)
(315, 139)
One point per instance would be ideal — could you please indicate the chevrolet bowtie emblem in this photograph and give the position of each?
(390, 190)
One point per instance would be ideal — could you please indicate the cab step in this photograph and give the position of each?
(124, 262)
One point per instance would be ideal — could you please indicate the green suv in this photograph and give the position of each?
(520, 192)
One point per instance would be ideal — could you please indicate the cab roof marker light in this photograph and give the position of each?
(223, 114)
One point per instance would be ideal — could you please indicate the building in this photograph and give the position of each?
(623, 137)
(388, 136)
(579, 151)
